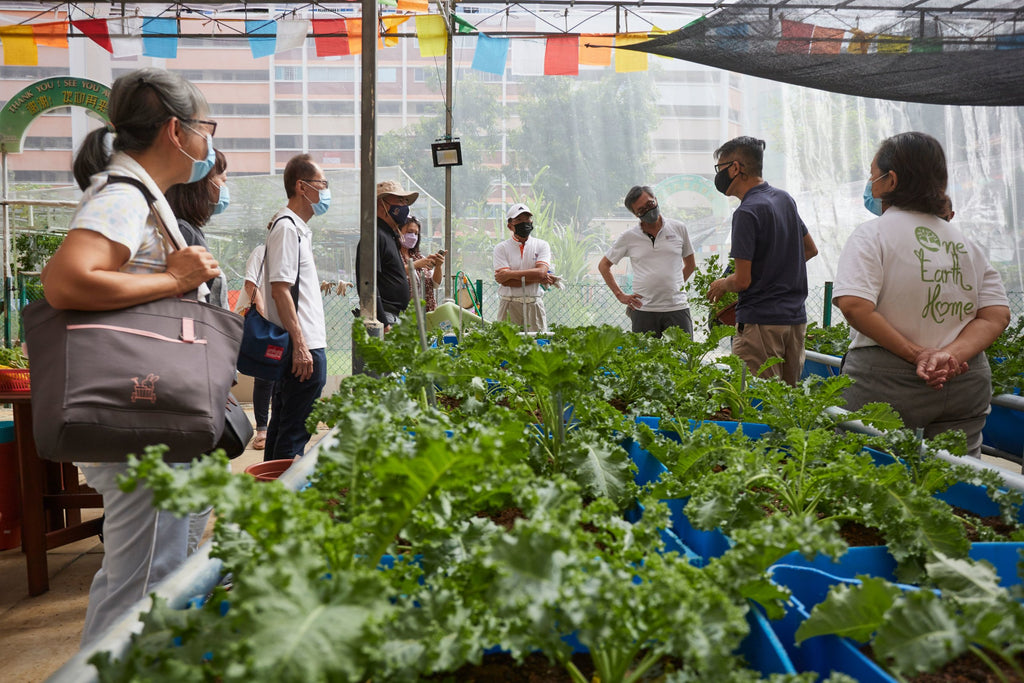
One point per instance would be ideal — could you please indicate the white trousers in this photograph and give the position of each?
(141, 545)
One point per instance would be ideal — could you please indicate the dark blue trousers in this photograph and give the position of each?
(292, 403)
(262, 391)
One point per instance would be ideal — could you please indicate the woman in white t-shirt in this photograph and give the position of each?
(114, 257)
(922, 299)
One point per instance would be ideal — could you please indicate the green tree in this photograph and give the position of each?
(476, 122)
(594, 137)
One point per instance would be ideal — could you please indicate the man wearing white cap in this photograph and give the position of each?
(522, 256)
(392, 282)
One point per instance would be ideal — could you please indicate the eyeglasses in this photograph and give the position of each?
(648, 207)
(724, 164)
(325, 186)
(211, 124)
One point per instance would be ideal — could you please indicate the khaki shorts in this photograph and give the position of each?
(755, 344)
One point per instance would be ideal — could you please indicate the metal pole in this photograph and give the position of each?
(368, 181)
(448, 76)
(826, 317)
(8, 285)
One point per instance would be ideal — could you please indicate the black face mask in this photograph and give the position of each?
(523, 229)
(723, 181)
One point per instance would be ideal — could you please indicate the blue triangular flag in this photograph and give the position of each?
(260, 46)
(165, 46)
(490, 54)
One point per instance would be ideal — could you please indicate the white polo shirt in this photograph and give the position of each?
(657, 265)
(284, 250)
(522, 256)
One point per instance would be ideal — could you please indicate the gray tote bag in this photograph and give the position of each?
(109, 383)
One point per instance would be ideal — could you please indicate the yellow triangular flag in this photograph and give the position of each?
(432, 34)
(391, 25)
(19, 46)
(630, 60)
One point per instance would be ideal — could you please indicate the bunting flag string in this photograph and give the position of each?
(159, 37)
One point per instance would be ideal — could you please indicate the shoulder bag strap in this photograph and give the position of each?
(151, 200)
(298, 270)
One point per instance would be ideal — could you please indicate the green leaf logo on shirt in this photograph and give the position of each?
(927, 238)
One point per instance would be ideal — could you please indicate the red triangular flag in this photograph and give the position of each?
(562, 56)
(796, 38)
(327, 45)
(96, 30)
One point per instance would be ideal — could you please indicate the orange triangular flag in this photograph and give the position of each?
(418, 6)
(51, 34)
(596, 56)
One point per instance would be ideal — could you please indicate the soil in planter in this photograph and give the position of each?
(966, 668)
(994, 522)
(858, 535)
(504, 518)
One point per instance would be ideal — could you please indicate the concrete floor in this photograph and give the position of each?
(39, 634)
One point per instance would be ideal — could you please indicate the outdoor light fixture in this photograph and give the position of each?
(446, 152)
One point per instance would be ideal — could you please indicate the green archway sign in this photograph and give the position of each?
(41, 96)
(686, 182)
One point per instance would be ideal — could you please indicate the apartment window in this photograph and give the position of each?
(387, 74)
(332, 142)
(287, 73)
(239, 109)
(389, 108)
(288, 141)
(689, 111)
(332, 74)
(51, 177)
(207, 75)
(330, 107)
(419, 75)
(243, 144)
(425, 108)
(32, 142)
(35, 73)
(288, 107)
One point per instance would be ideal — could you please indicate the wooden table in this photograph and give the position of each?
(51, 498)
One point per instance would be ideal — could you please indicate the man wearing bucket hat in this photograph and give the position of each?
(518, 260)
(392, 294)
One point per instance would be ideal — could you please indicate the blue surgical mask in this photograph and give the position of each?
(872, 203)
(223, 200)
(200, 167)
(320, 207)
(398, 213)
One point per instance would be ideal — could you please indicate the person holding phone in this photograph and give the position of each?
(429, 269)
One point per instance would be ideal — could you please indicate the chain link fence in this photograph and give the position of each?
(579, 304)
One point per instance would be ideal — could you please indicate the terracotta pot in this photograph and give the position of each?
(268, 470)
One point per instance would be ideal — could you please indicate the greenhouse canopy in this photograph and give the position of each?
(928, 51)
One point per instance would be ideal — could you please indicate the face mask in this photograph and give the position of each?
(320, 207)
(523, 229)
(200, 167)
(872, 203)
(723, 181)
(398, 213)
(409, 239)
(223, 199)
(651, 216)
